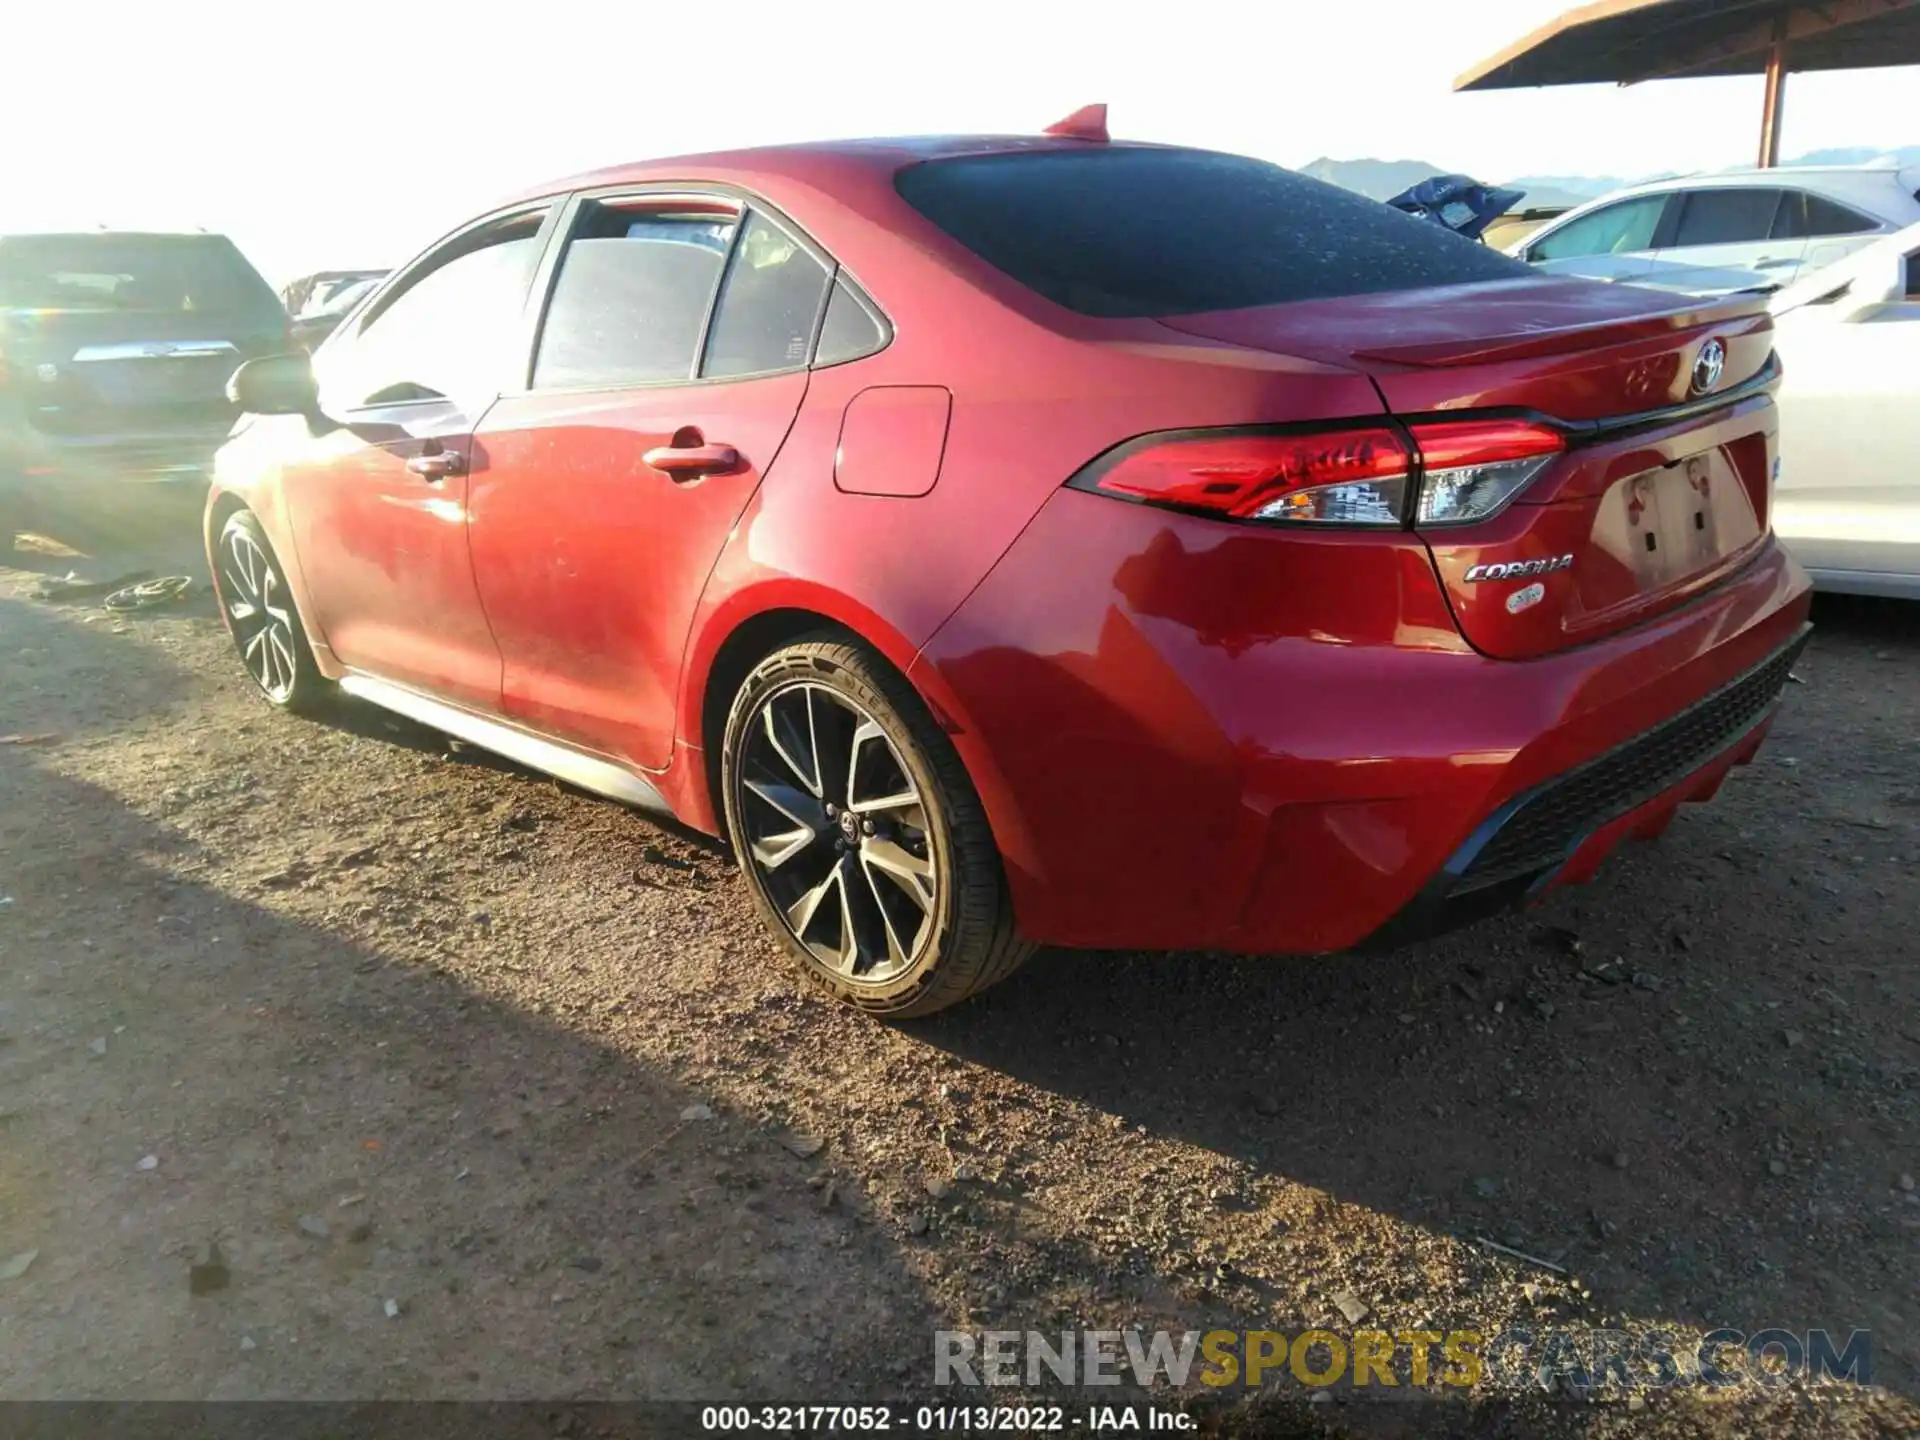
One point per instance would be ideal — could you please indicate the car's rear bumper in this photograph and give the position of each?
(1178, 748)
(1561, 830)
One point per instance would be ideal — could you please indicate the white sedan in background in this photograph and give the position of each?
(1735, 230)
(1848, 498)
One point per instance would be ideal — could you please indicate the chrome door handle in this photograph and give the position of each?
(438, 465)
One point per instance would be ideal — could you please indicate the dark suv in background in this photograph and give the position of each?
(115, 351)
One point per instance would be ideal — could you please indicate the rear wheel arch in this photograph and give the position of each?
(752, 640)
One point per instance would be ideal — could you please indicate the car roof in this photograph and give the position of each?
(82, 233)
(1827, 179)
(1753, 174)
(812, 162)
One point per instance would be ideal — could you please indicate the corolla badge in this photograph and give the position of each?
(1708, 366)
(1518, 569)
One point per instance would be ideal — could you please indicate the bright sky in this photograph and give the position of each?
(352, 132)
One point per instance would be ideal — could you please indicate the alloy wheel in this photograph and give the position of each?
(836, 831)
(255, 595)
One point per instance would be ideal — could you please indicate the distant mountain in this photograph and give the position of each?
(1561, 192)
(1590, 186)
(1383, 179)
(1860, 155)
(1376, 179)
(1568, 190)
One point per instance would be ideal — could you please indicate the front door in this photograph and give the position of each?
(1612, 242)
(378, 495)
(672, 361)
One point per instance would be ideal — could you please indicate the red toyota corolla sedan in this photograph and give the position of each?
(1034, 540)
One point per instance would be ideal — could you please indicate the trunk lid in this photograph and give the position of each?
(1662, 491)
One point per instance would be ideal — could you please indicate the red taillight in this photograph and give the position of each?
(1470, 468)
(1353, 475)
(1446, 444)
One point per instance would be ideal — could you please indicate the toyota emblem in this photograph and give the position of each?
(1708, 366)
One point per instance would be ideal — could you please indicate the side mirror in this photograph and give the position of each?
(275, 385)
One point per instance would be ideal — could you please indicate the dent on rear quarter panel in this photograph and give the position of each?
(1126, 674)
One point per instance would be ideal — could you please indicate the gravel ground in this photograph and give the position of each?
(459, 1084)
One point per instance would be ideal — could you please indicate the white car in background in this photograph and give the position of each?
(1848, 498)
(1735, 230)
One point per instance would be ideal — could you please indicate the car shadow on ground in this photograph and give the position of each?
(182, 1066)
(104, 522)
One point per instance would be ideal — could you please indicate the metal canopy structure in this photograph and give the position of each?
(1626, 42)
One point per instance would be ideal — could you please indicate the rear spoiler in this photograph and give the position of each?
(1741, 314)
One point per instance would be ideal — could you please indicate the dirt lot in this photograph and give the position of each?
(389, 1022)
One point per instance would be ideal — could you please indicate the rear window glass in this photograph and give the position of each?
(1804, 216)
(1137, 232)
(146, 273)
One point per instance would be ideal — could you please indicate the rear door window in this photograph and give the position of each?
(1623, 228)
(1725, 217)
(769, 304)
(632, 297)
(1123, 231)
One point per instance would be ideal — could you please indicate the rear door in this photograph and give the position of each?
(1725, 237)
(671, 362)
(378, 491)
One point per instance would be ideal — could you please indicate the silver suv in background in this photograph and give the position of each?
(115, 351)
(1735, 230)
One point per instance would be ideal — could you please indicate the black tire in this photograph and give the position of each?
(964, 938)
(258, 608)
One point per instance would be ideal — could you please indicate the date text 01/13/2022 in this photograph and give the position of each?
(941, 1419)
